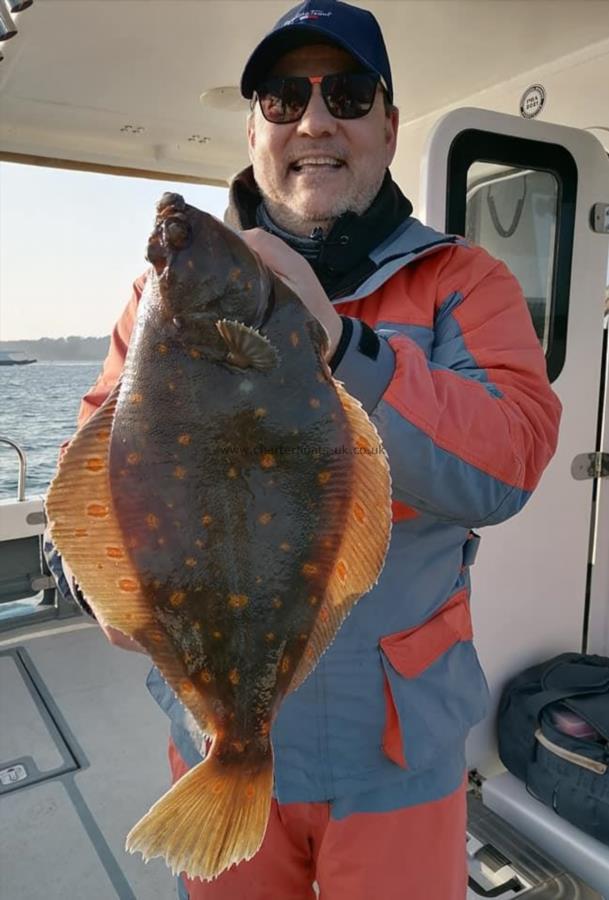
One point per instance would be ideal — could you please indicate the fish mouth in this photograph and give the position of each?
(172, 231)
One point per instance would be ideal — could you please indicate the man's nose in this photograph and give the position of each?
(317, 119)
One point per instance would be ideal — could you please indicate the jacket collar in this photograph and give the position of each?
(360, 252)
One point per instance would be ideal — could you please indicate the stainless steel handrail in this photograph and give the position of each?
(22, 466)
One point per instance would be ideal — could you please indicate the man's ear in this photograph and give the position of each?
(251, 134)
(392, 124)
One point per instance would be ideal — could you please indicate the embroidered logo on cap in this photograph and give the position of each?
(312, 14)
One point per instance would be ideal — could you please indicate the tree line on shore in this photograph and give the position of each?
(66, 349)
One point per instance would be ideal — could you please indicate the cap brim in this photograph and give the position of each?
(276, 44)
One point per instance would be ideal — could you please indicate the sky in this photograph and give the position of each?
(72, 243)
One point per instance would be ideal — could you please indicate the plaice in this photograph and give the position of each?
(226, 507)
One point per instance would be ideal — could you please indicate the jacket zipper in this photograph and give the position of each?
(576, 758)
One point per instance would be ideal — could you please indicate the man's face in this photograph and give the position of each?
(314, 170)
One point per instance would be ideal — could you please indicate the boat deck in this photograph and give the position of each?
(88, 744)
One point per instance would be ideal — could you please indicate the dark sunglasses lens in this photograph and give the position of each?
(349, 95)
(284, 100)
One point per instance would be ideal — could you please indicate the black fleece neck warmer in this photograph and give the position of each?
(341, 259)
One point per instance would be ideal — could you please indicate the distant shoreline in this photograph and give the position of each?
(71, 349)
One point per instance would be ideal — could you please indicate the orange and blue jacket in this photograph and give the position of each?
(455, 381)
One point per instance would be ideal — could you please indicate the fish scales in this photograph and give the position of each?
(233, 513)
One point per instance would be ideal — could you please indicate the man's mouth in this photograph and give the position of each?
(316, 163)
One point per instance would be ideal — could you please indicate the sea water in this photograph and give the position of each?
(38, 409)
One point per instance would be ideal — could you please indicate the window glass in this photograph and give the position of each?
(512, 213)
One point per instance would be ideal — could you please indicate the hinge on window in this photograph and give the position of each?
(590, 465)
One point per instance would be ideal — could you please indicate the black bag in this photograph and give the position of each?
(567, 772)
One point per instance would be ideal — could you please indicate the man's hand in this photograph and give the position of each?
(296, 272)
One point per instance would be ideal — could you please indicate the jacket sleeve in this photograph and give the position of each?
(462, 401)
(115, 360)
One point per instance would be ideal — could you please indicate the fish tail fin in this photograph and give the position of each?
(213, 817)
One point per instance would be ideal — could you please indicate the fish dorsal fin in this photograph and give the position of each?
(86, 532)
(365, 539)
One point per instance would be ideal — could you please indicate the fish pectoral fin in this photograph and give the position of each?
(247, 348)
(365, 536)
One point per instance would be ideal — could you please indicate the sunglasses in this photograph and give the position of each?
(347, 95)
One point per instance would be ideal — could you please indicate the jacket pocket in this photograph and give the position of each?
(435, 690)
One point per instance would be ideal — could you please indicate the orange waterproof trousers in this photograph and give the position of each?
(415, 853)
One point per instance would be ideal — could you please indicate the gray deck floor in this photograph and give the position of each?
(100, 757)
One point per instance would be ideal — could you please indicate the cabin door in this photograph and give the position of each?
(526, 191)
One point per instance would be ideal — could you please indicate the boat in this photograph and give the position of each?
(505, 138)
(8, 359)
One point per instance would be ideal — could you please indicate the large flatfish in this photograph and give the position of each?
(225, 507)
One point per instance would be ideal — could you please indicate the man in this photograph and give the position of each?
(433, 336)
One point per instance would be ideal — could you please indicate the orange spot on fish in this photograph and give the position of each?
(265, 728)
(197, 626)
(206, 520)
(294, 339)
(285, 664)
(359, 512)
(114, 552)
(309, 653)
(134, 458)
(264, 518)
(270, 637)
(128, 585)
(136, 398)
(250, 791)
(324, 615)
(177, 598)
(194, 353)
(234, 677)
(267, 461)
(239, 746)
(205, 677)
(260, 413)
(341, 569)
(313, 600)
(184, 440)
(237, 601)
(303, 636)
(179, 472)
(97, 510)
(277, 602)
(314, 403)
(95, 464)
(324, 477)
(190, 561)
(186, 687)
(327, 543)
(361, 443)
(162, 349)
(217, 787)
(310, 569)
(232, 472)
(217, 635)
(285, 547)
(152, 521)
(103, 434)
(81, 532)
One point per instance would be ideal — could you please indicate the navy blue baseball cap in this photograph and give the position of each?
(321, 21)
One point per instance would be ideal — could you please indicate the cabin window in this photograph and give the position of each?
(513, 213)
(516, 198)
